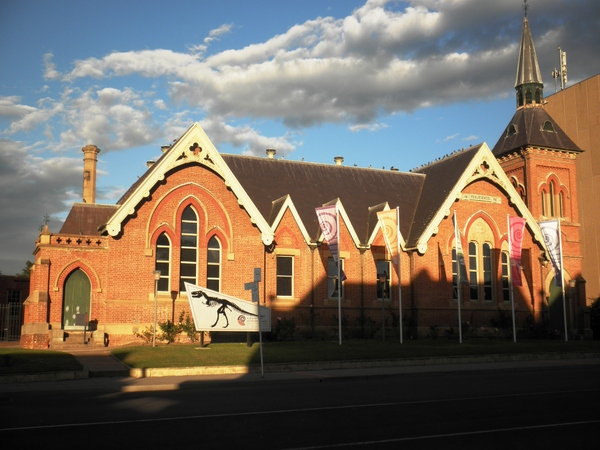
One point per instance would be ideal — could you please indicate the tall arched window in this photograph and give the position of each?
(505, 276)
(188, 265)
(213, 264)
(163, 261)
(488, 285)
(482, 274)
(551, 202)
(474, 271)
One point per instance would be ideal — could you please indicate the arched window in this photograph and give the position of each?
(473, 271)
(163, 261)
(505, 276)
(213, 264)
(551, 202)
(483, 276)
(547, 126)
(528, 97)
(553, 199)
(488, 286)
(538, 95)
(561, 204)
(544, 203)
(189, 248)
(511, 130)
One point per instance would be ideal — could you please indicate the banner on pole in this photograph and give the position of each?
(213, 311)
(551, 233)
(516, 227)
(328, 221)
(388, 221)
(460, 257)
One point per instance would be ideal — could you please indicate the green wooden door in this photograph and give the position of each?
(76, 298)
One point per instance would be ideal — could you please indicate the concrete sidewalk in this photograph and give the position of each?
(104, 373)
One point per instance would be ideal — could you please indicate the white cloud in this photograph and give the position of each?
(50, 72)
(31, 188)
(10, 108)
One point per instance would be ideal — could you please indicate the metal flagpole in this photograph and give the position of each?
(399, 271)
(339, 289)
(510, 279)
(339, 275)
(562, 281)
(458, 245)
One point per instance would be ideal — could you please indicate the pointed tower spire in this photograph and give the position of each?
(529, 85)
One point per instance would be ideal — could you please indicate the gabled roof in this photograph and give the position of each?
(442, 178)
(445, 181)
(310, 185)
(268, 187)
(532, 126)
(193, 147)
(87, 218)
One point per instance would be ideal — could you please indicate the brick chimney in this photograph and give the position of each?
(90, 153)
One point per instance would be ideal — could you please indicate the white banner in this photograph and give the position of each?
(213, 311)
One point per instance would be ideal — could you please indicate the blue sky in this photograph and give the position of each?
(381, 83)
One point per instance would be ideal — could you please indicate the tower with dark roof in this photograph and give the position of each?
(539, 159)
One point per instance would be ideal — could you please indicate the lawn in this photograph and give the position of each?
(17, 360)
(223, 354)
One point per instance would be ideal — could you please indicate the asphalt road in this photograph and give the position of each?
(549, 408)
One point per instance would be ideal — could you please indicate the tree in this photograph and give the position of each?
(26, 270)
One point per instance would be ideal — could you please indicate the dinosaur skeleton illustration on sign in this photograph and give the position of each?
(223, 306)
(204, 303)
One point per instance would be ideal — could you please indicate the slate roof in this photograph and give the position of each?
(86, 218)
(528, 131)
(441, 178)
(310, 185)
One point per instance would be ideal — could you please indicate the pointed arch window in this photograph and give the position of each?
(482, 281)
(505, 276)
(538, 95)
(188, 264)
(213, 264)
(528, 97)
(454, 275)
(473, 271)
(488, 285)
(163, 261)
(553, 199)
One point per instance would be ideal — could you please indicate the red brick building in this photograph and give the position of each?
(211, 219)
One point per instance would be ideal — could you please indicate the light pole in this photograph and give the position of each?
(156, 278)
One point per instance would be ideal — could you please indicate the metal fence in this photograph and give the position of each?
(11, 319)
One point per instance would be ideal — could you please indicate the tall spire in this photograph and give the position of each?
(529, 85)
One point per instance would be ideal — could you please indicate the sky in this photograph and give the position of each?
(381, 83)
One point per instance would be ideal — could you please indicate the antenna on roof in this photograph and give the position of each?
(561, 73)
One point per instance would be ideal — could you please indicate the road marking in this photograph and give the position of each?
(292, 411)
(448, 435)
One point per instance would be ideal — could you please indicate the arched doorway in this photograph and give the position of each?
(76, 300)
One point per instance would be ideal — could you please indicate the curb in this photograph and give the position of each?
(285, 367)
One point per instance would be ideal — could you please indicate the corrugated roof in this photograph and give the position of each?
(86, 218)
(526, 129)
(310, 185)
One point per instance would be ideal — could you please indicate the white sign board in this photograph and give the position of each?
(213, 311)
